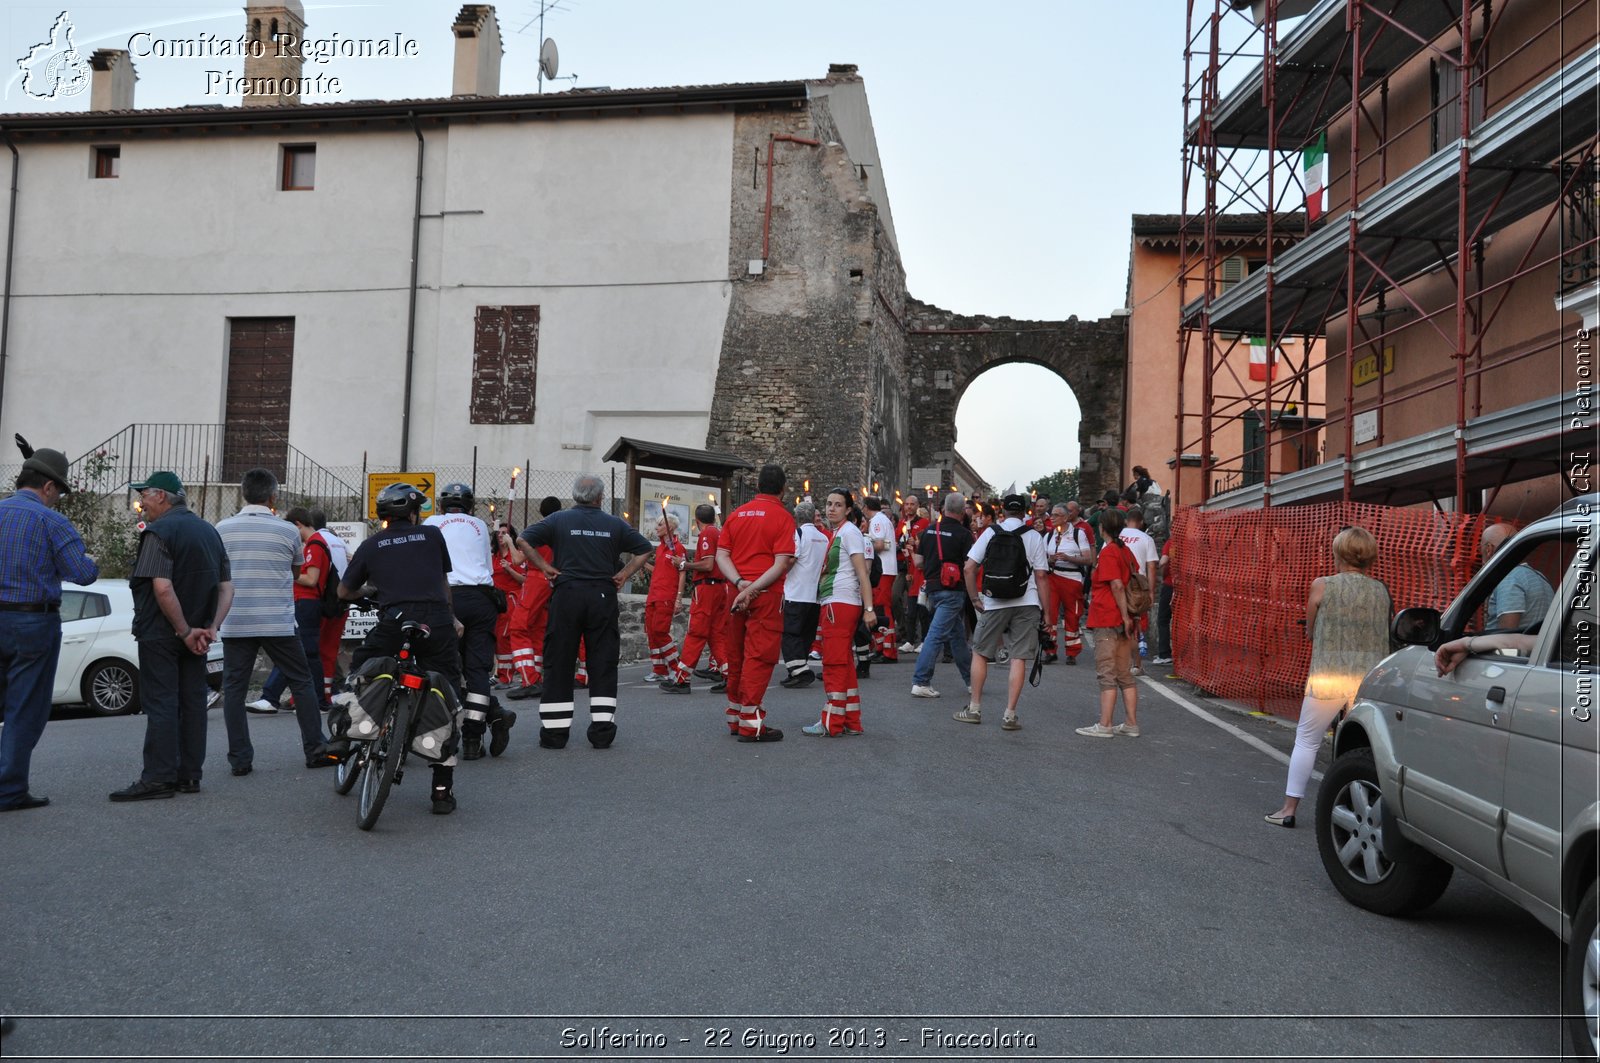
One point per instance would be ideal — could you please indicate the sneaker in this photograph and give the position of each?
(500, 732)
(1161, 660)
(669, 686)
(261, 707)
(851, 732)
(707, 673)
(908, 647)
(816, 730)
(1097, 731)
(766, 734)
(1010, 723)
(145, 791)
(924, 692)
(720, 686)
(1126, 730)
(969, 715)
(213, 699)
(814, 656)
(653, 677)
(443, 801)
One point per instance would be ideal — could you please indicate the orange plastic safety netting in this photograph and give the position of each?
(1241, 578)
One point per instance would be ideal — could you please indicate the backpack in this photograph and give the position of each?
(1157, 512)
(1138, 588)
(331, 606)
(1005, 564)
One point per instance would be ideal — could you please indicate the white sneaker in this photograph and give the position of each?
(261, 706)
(1161, 660)
(924, 692)
(908, 647)
(653, 678)
(1126, 730)
(814, 656)
(213, 698)
(1097, 731)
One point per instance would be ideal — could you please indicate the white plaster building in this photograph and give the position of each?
(252, 266)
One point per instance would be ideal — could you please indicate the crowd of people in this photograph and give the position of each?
(827, 590)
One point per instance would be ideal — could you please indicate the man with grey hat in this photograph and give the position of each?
(182, 588)
(39, 549)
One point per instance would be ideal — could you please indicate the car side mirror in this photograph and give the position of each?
(1415, 627)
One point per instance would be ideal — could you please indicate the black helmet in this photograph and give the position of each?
(455, 496)
(398, 501)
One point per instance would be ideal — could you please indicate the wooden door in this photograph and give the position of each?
(260, 375)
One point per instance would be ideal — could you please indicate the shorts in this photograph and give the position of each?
(1017, 628)
(1113, 658)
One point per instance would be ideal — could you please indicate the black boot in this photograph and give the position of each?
(472, 741)
(863, 669)
(500, 730)
(444, 797)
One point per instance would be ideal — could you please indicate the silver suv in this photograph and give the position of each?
(1492, 768)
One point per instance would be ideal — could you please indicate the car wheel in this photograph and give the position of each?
(1581, 980)
(111, 688)
(1349, 826)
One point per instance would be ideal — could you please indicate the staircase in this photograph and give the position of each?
(210, 459)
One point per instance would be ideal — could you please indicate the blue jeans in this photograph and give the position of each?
(172, 690)
(30, 643)
(238, 661)
(947, 628)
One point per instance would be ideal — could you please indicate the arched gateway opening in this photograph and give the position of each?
(946, 352)
(986, 439)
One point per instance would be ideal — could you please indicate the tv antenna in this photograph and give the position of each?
(549, 56)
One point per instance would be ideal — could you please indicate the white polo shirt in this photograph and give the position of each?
(471, 556)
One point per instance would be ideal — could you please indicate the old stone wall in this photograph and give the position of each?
(812, 371)
(947, 351)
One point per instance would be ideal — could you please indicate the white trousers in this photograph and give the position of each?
(1315, 716)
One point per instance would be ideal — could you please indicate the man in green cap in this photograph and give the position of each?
(182, 588)
(39, 548)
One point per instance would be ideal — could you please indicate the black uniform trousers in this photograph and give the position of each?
(583, 610)
(799, 632)
(474, 607)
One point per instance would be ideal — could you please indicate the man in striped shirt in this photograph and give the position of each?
(264, 553)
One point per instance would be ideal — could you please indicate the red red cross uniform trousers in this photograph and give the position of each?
(1066, 583)
(708, 611)
(528, 653)
(506, 571)
(753, 536)
(659, 605)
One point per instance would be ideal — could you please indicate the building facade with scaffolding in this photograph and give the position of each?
(1420, 179)
(1450, 276)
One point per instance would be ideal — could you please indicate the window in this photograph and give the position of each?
(83, 605)
(299, 167)
(107, 161)
(505, 359)
(1446, 117)
(1519, 588)
(1575, 651)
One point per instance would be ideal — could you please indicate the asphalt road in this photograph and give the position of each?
(931, 889)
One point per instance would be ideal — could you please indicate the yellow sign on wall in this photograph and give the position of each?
(1366, 369)
(377, 481)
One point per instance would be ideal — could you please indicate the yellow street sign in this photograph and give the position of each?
(377, 481)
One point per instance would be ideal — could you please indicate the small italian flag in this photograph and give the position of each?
(1314, 160)
(1262, 367)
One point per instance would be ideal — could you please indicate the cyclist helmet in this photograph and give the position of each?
(455, 496)
(398, 501)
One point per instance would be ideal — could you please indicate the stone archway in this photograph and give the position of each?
(945, 352)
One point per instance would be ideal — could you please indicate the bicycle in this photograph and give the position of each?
(381, 762)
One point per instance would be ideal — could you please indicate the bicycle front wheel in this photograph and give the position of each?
(383, 760)
(349, 769)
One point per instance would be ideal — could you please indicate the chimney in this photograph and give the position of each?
(111, 81)
(478, 52)
(273, 35)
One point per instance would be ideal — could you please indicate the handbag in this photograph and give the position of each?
(949, 571)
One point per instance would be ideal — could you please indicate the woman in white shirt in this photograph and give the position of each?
(846, 599)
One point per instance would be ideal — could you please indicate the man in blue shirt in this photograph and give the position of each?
(38, 549)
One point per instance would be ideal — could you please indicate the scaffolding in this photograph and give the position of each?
(1510, 132)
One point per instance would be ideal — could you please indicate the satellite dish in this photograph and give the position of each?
(549, 59)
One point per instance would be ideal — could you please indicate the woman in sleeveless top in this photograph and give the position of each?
(1347, 620)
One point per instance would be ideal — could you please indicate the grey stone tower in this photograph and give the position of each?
(274, 31)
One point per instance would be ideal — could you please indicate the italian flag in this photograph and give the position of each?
(1314, 161)
(1261, 366)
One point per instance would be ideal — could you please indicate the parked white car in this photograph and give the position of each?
(99, 665)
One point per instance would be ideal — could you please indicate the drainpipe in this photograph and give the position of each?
(766, 218)
(411, 307)
(11, 242)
